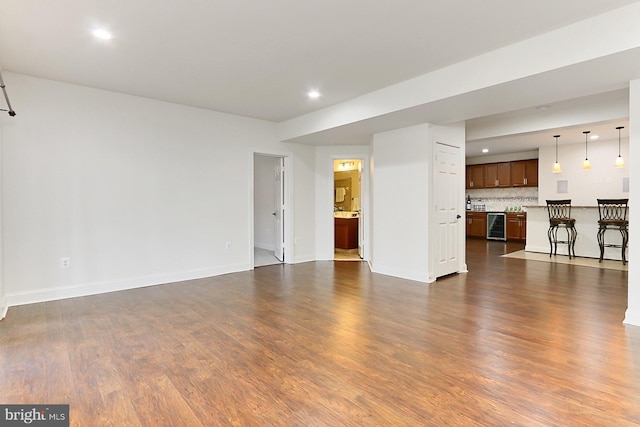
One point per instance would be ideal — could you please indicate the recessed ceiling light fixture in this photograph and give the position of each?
(485, 150)
(102, 34)
(594, 136)
(313, 94)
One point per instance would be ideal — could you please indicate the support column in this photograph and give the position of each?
(632, 315)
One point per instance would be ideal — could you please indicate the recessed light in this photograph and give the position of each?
(485, 150)
(102, 34)
(594, 136)
(313, 94)
(543, 107)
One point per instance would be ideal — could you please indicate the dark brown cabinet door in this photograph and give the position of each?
(346, 233)
(531, 172)
(524, 173)
(497, 175)
(477, 224)
(475, 176)
(517, 226)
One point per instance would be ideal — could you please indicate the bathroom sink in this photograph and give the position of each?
(341, 214)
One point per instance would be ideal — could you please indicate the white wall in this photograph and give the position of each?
(134, 191)
(324, 195)
(632, 315)
(604, 180)
(400, 232)
(3, 300)
(264, 201)
(302, 202)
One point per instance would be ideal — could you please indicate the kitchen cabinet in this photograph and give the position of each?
(521, 173)
(497, 175)
(524, 173)
(477, 224)
(346, 233)
(516, 226)
(475, 176)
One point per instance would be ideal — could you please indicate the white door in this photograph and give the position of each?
(279, 210)
(447, 204)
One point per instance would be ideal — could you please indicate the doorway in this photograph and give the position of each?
(269, 214)
(348, 190)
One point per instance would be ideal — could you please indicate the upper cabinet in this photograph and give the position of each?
(497, 175)
(475, 176)
(524, 173)
(521, 173)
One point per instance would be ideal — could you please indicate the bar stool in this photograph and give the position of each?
(560, 217)
(613, 215)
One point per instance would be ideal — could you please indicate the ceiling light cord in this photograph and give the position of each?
(556, 165)
(6, 98)
(586, 165)
(619, 159)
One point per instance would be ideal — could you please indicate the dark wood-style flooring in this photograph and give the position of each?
(513, 342)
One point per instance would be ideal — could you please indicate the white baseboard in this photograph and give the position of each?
(3, 308)
(417, 276)
(304, 258)
(43, 295)
(265, 246)
(632, 318)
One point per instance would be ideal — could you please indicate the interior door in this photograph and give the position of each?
(447, 203)
(279, 210)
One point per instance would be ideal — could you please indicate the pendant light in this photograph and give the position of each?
(586, 165)
(619, 159)
(556, 165)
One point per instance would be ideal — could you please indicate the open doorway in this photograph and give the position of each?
(268, 210)
(347, 208)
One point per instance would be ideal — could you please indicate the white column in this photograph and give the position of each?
(632, 316)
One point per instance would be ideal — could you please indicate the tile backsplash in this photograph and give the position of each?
(499, 199)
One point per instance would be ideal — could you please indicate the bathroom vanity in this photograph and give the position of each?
(346, 230)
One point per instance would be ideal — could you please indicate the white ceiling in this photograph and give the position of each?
(258, 59)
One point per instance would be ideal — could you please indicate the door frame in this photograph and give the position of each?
(288, 203)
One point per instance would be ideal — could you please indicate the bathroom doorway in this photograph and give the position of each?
(347, 208)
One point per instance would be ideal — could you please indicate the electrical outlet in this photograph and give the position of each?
(227, 245)
(64, 262)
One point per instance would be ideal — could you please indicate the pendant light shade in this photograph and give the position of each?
(556, 165)
(619, 159)
(586, 165)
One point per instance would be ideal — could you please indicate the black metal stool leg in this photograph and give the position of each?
(625, 240)
(601, 231)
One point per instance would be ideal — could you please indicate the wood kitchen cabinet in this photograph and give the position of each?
(346, 233)
(477, 224)
(475, 176)
(497, 175)
(524, 173)
(516, 226)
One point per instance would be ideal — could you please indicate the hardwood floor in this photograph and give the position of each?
(513, 342)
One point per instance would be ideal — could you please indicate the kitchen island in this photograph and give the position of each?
(586, 241)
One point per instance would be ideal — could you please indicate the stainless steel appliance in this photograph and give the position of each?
(496, 226)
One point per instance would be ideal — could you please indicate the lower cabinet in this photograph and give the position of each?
(477, 224)
(517, 226)
(346, 233)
